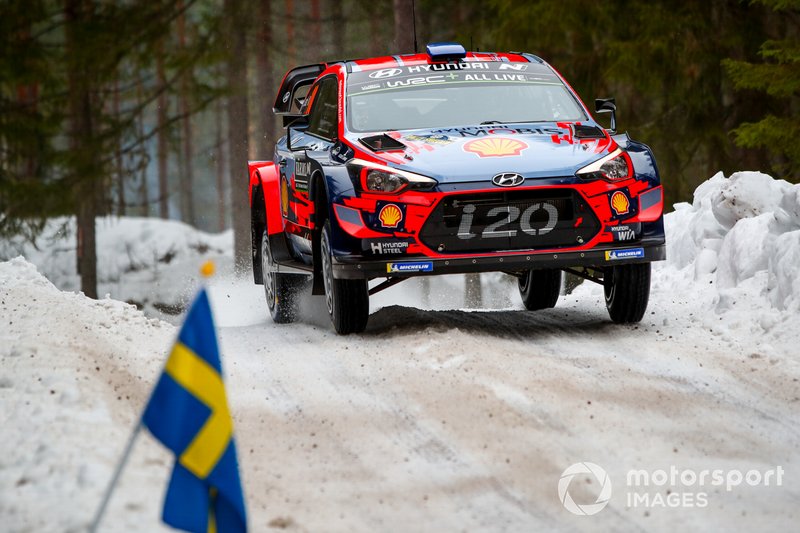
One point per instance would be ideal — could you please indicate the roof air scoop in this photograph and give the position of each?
(446, 51)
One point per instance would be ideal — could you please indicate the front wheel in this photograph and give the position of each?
(540, 288)
(627, 290)
(347, 299)
(281, 290)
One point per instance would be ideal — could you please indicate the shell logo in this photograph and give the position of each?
(390, 216)
(495, 147)
(620, 203)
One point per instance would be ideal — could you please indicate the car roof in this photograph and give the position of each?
(306, 74)
(424, 59)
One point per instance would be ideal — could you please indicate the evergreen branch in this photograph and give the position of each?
(779, 80)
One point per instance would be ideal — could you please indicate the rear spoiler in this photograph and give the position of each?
(294, 79)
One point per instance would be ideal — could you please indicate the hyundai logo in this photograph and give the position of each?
(508, 179)
(385, 73)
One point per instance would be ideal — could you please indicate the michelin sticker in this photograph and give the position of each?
(633, 253)
(422, 266)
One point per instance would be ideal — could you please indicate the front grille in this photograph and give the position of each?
(509, 220)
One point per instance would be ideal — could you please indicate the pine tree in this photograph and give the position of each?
(72, 102)
(238, 128)
(777, 75)
(31, 113)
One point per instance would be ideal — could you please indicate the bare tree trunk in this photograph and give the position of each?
(316, 29)
(83, 169)
(473, 292)
(183, 208)
(25, 164)
(220, 154)
(340, 30)
(187, 176)
(163, 148)
(291, 50)
(238, 132)
(265, 81)
(144, 191)
(118, 166)
(403, 27)
(32, 166)
(376, 46)
(425, 287)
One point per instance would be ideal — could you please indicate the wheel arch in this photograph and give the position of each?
(258, 219)
(644, 162)
(264, 192)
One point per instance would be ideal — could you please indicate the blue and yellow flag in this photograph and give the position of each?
(189, 414)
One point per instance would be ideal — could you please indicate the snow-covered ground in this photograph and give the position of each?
(149, 262)
(434, 419)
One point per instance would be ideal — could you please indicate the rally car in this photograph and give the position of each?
(449, 162)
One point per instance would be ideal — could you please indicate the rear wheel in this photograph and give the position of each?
(540, 288)
(347, 299)
(281, 290)
(627, 290)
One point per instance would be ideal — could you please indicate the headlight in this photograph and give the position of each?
(374, 177)
(382, 181)
(616, 166)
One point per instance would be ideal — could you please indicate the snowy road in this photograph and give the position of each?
(453, 420)
(437, 419)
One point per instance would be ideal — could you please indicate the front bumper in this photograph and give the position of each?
(555, 224)
(356, 267)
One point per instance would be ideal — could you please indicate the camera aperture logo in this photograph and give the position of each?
(589, 508)
(672, 487)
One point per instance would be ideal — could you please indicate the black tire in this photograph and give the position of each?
(347, 299)
(627, 290)
(540, 288)
(281, 290)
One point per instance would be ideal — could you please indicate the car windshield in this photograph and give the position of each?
(457, 94)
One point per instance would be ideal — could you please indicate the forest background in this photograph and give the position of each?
(152, 108)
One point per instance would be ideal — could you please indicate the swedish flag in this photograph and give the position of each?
(189, 414)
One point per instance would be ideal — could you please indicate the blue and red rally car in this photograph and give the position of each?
(449, 162)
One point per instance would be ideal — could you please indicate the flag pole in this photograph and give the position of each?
(206, 270)
(115, 478)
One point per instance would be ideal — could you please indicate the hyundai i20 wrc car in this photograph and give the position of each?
(449, 162)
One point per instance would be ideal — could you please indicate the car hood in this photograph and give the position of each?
(476, 153)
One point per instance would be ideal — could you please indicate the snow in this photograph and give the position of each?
(72, 370)
(437, 417)
(146, 261)
(739, 241)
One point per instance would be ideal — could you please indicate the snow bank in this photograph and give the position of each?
(73, 373)
(741, 235)
(150, 262)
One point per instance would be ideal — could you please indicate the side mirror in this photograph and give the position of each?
(607, 105)
(295, 125)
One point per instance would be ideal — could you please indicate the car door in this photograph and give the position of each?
(300, 162)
